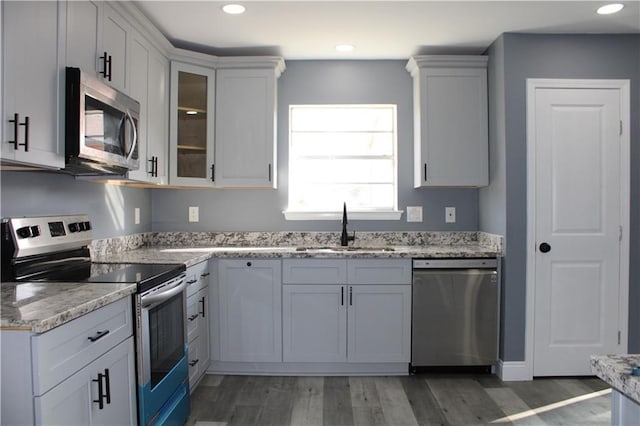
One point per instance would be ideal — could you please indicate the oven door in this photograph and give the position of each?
(162, 350)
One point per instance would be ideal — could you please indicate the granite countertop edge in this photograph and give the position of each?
(46, 311)
(194, 255)
(615, 370)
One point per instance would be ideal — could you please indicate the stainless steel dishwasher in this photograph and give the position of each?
(454, 313)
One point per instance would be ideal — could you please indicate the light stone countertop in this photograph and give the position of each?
(616, 371)
(39, 307)
(193, 255)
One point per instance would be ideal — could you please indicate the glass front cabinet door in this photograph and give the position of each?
(192, 125)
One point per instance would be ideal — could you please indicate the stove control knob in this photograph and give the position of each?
(73, 227)
(24, 232)
(87, 226)
(35, 231)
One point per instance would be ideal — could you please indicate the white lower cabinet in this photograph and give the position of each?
(197, 322)
(99, 394)
(79, 373)
(250, 301)
(379, 323)
(314, 327)
(350, 322)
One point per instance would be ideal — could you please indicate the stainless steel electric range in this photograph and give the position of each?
(56, 249)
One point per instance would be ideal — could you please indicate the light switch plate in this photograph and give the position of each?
(136, 216)
(194, 214)
(414, 214)
(450, 214)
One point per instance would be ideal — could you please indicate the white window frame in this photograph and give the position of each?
(377, 214)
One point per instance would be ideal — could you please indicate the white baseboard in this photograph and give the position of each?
(513, 371)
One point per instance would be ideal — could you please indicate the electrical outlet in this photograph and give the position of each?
(194, 214)
(450, 214)
(414, 214)
(136, 216)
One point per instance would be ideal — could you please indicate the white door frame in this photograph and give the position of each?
(532, 86)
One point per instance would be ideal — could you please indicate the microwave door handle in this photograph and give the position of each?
(135, 136)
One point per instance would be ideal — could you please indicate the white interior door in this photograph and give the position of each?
(578, 213)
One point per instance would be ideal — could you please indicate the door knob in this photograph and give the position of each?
(545, 248)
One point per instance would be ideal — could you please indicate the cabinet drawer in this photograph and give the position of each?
(59, 353)
(197, 277)
(314, 271)
(379, 271)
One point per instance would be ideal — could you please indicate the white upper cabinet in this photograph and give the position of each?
(191, 143)
(84, 35)
(246, 107)
(450, 121)
(30, 80)
(98, 41)
(148, 84)
(115, 32)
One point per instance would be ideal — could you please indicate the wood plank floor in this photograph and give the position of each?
(428, 399)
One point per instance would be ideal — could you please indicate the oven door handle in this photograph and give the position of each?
(166, 294)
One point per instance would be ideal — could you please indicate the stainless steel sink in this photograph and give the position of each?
(344, 248)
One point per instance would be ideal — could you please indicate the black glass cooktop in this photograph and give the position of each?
(145, 275)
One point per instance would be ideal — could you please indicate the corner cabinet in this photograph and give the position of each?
(191, 143)
(450, 121)
(32, 39)
(246, 107)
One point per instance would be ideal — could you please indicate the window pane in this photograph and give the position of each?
(342, 118)
(340, 144)
(347, 171)
(342, 153)
(331, 197)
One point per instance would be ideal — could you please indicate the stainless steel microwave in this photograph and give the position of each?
(101, 127)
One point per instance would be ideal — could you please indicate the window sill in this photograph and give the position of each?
(377, 215)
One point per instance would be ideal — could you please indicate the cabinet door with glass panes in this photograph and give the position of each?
(191, 145)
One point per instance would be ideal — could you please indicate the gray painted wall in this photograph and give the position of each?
(322, 82)
(552, 56)
(492, 200)
(110, 207)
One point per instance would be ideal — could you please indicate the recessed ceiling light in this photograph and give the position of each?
(345, 47)
(233, 9)
(608, 9)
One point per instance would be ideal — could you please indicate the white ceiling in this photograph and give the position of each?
(390, 29)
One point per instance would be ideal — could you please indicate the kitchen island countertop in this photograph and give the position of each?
(616, 371)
